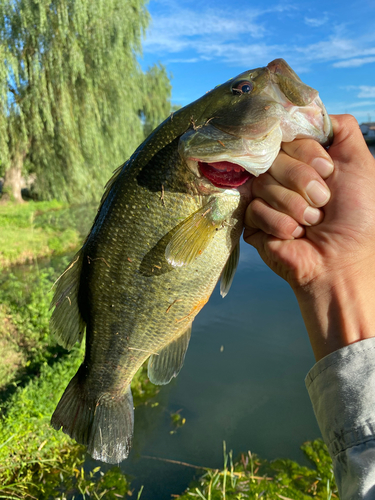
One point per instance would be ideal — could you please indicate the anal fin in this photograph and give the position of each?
(229, 271)
(165, 365)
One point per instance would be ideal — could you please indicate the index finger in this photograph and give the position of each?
(312, 153)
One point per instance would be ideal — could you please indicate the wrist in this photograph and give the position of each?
(338, 308)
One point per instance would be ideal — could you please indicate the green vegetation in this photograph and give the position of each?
(74, 102)
(35, 460)
(251, 478)
(33, 230)
(177, 421)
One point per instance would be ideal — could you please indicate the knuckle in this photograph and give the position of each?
(285, 226)
(291, 203)
(304, 150)
(295, 171)
(298, 147)
(271, 221)
(350, 120)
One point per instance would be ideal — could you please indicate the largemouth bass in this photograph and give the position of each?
(166, 231)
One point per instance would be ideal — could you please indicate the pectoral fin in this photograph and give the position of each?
(66, 322)
(165, 365)
(229, 271)
(193, 235)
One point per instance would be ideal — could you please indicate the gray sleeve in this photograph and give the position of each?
(342, 391)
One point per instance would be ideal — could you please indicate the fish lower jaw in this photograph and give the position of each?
(308, 122)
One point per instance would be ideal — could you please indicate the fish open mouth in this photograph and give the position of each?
(224, 174)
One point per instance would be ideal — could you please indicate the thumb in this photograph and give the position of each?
(346, 137)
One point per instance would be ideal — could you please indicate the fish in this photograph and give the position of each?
(166, 231)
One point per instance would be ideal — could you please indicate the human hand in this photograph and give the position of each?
(329, 264)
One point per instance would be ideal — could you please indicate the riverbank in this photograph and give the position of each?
(35, 230)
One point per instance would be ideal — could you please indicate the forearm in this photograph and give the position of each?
(341, 391)
(338, 308)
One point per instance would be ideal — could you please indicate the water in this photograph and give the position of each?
(242, 382)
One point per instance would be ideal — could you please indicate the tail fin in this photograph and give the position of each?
(105, 426)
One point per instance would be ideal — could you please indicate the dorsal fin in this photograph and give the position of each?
(165, 365)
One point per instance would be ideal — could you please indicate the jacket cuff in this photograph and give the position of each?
(341, 387)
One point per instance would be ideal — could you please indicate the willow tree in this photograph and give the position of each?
(74, 102)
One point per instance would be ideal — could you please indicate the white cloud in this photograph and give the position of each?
(359, 104)
(229, 34)
(354, 63)
(366, 91)
(316, 22)
(188, 61)
(251, 37)
(183, 28)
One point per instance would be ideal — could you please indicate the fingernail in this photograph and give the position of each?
(312, 215)
(298, 232)
(322, 166)
(317, 193)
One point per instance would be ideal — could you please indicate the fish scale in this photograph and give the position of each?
(163, 236)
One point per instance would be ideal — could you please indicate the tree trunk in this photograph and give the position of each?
(13, 181)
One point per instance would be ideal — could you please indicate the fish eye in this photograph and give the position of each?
(243, 87)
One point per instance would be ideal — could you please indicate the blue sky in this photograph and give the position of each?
(331, 45)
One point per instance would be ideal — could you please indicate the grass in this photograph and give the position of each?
(34, 230)
(251, 478)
